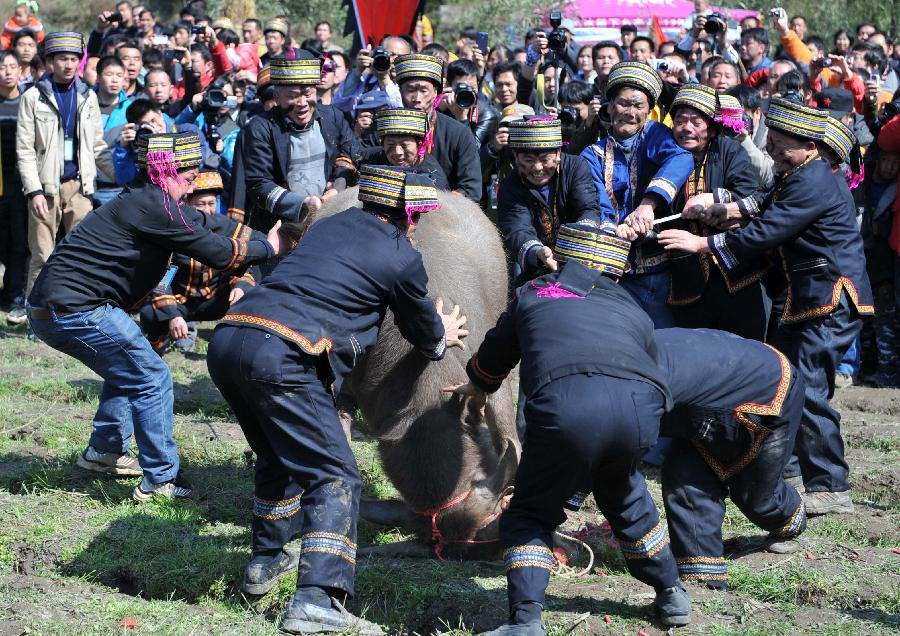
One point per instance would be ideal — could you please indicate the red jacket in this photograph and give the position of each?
(221, 65)
(889, 141)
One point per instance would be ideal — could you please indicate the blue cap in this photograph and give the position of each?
(373, 100)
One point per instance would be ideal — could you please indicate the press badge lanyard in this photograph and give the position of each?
(69, 143)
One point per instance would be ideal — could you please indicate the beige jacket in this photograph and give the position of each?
(40, 138)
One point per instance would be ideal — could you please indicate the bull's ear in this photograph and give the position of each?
(506, 468)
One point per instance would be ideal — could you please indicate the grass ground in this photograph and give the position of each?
(78, 557)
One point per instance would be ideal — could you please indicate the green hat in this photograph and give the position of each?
(796, 119)
(634, 75)
(419, 66)
(401, 121)
(64, 42)
(397, 189)
(535, 135)
(700, 97)
(297, 71)
(597, 247)
(181, 149)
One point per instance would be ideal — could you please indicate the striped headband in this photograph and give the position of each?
(634, 75)
(401, 121)
(535, 135)
(700, 97)
(597, 248)
(796, 119)
(419, 66)
(295, 72)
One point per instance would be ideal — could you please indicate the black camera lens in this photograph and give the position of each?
(464, 95)
(381, 60)
(715, 24)
(115, 17)
(198, 29)
(568, 116)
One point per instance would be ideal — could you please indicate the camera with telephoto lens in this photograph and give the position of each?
(888, 112)
(198, 29)
(114, 17)
(381, 60)
(214, 100)
(715, 24)
(557, 40)
(464, 95)
(568, 116)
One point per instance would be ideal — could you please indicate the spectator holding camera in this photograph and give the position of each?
(372, 73)
(579, 115)
(465, 103)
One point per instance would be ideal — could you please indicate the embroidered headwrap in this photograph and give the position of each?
(163, 155)
(393, 189)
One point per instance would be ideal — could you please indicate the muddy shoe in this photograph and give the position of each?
(264, 572)
(178, 488)
(843, 380)
(779, 545)
(307, 618)
(17, 315)
(673, 605)
(109, 463)
(825, 503)
(526, 629)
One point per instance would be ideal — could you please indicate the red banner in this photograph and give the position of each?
(376, 19)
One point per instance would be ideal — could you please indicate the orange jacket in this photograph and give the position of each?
(12, 27)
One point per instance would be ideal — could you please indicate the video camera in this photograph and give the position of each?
(214, 100)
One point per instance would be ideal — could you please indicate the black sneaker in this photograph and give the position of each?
(525, 629)
(264, 572)
(307, 618)
(178, 488)
(673, 605)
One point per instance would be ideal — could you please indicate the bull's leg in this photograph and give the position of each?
(392, 512)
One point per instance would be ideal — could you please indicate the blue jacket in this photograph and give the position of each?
(810, 218)
(330, 295)
(558, 337)
(658, 166)
(125, 160)
(117, 116)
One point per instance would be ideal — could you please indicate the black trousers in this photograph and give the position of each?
(306, 480)
(194, 309)
(744, 313)
(724, 459)
(577, 425)
(815, 347)
(13, 241)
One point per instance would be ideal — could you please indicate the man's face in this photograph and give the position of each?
(112, 79)
(550, 83)
(250, 32)
(701, 5)
(400, 151)
(396, 46)
(537, 167)
(629, 112)
(182, 185)
(786, 151)
(274, 42)
(865, 32)
(751, 50)
(182, 38)
(10, 71)
(63, 66)
(158, 87)
(583, 110)
(125, 9)
(418, 94)
(628, 38)
(340, 69)
(640, 51)
(147, 22)
(606, 58)
(722, 77)
(154, 121)
(323, 33)
(328, 80)
(298, 103)
(798, 26)
(880, 40)
(505, 88)
(749, 23)
(775, 72)
(131, 60)
(691, 130)
(206, 203)
(200, 64)
(26, 48)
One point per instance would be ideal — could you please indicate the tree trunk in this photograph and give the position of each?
(239, 10)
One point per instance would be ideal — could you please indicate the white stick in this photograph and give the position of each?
(666, 219)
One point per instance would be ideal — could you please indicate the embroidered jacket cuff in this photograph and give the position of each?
(663, 188)
(527, 256)
(437, 352)
(748, 206)
(719, 247)
(721, 195)
(483, 380)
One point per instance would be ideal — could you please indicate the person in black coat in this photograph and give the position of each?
(583, 347)
(421, 79)
(704, 293)
(547, 189)
(810, 221)
(102, 271)
(480, 116)
(295, 156)
(280, 355)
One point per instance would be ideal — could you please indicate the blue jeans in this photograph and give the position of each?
(102, 197)
(851, 361)
(651, 291)
(136, 398)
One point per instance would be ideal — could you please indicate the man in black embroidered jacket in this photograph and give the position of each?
(547, 189)
(573, 365)
(704, 293)
(280, 355)
(104, 269)
(738, 408)
(421, 80)
(808, 219)
(292, 158)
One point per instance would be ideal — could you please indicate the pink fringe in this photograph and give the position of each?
(553, 290)
(418, 209)
(81, 67)
(160, 168)
(855, 179)
(733, 120)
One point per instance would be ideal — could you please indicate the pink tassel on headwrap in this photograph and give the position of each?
(732, 118)
(855, 179)
(554, 290)
(161, 168)
(81, 66)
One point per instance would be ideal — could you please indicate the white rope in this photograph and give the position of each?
(563, 570)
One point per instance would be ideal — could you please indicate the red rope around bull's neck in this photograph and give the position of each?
(440, 541)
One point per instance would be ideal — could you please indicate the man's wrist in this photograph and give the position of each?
(31, 195)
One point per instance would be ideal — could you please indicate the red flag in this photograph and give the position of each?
(374, 21)
(658, 34)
